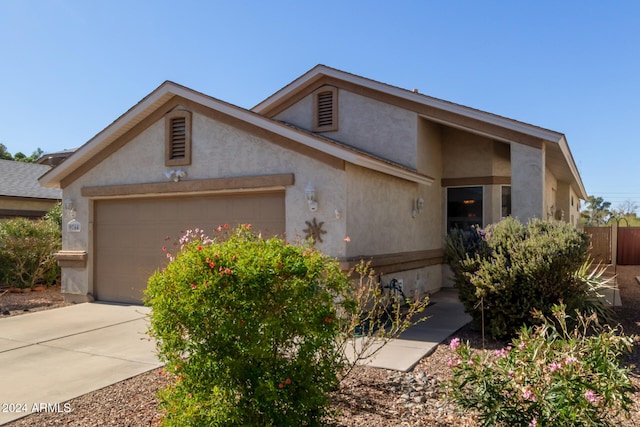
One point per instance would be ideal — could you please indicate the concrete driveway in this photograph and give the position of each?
(49, 357)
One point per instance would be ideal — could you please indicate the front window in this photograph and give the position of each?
(464, 207)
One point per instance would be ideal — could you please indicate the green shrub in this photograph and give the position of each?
(247, 329)
(27, 249)
(549, 376)
(510, 269)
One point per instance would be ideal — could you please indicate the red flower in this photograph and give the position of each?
(287, 381)
(212, 265)
(226, 226)
(328, 319)
(193, 286)
(199, 248)
(281, 385)
(164, 249)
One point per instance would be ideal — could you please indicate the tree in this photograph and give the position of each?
(4, 154)
(19, 156)
(597, 212)
(628, 207)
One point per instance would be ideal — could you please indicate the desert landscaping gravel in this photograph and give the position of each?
(368, 397)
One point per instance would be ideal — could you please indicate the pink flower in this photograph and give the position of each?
(193, 286)
(569, 360)
(454, 344)
(347, 239)
(503, 352)
(453, 362)
(534, 422)
(521, 347)
(591, 396)
(528, 394)
(554, 366)
(511, 374)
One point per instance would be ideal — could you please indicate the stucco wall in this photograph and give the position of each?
(379, 214)
(370, 125)
(465, 154)
(218, 150)
(380, 221)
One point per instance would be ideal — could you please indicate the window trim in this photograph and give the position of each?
(168, 149)
(317, 127)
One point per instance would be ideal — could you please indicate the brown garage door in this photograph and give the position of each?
(129, 234)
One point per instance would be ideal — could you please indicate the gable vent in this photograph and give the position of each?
(325, 109)
(178, 131)
(177, 138)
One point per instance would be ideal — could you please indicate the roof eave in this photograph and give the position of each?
(167, 90)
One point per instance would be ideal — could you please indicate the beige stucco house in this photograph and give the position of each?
(377, 172)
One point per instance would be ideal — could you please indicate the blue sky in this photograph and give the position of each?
(71, 67)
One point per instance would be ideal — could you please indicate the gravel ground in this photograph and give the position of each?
(369, 397)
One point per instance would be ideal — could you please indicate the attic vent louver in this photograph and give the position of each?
(178, 138)
(326, 110)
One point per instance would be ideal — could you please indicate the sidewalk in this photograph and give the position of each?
(445, 316)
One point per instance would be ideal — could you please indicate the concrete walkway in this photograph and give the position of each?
(445, 315)
(49, 357)
(52, 356)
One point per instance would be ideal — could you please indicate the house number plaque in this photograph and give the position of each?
(74, 226)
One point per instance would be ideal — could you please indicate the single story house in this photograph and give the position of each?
(372, 171)
(21, 195)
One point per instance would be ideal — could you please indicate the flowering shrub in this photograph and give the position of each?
(506, 271)
(548, 376)
(247, 329)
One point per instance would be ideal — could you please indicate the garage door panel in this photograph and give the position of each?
(130, 233)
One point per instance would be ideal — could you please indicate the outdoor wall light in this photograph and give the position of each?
(310, 194)
(418, 206)
(69, 208)
(175, 175)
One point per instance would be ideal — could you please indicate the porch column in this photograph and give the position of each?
(527, 182)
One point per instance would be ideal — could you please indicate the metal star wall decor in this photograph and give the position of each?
(314, 230)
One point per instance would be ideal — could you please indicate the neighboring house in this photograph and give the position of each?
(378, 172)
(54, 159)
(20, 192)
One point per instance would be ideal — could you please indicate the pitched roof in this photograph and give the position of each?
(168, 90)
(19, 179)
(438, 110)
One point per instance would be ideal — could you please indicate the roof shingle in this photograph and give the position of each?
(19, 179)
